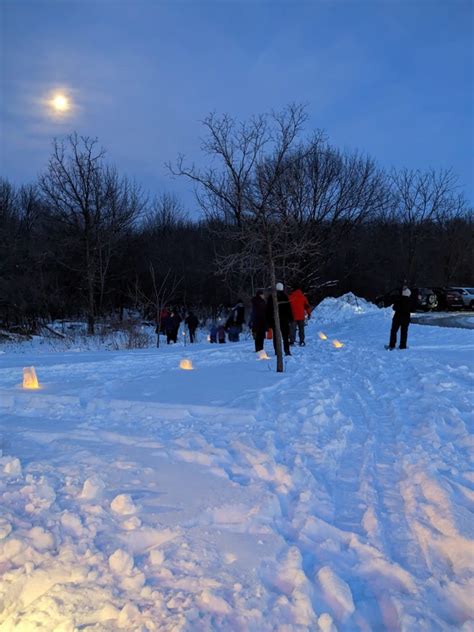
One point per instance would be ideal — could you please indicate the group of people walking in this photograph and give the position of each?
(170, 321)
(293, 310)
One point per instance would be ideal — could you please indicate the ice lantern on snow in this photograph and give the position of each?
(322, 336)
(30, 380)
(337, 344)
(186, 365)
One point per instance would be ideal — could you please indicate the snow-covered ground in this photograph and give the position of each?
(337, 496)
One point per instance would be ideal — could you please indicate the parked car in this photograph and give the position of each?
(467, 294)
(423, 298)
(448, 298)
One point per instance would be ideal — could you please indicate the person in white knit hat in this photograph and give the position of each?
(401, 318)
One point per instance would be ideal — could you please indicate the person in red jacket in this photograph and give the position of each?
(300, 308)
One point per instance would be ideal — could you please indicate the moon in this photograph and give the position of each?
(60, 103)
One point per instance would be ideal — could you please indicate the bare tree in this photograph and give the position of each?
(281, 201)
(454, 237)
(93, 207)
(241, 194)
(163, 291)
(327, 194)
(165, 214)
(418, 198)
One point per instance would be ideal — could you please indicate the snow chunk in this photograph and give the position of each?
(214, 603)
(40, 494)
(133, 582)
(12, 548)
(156, 557)
(129, 617)
(121, 562)
(131, 523)
(71, 523)
(92, 488)
(123, 505)
(337, 592)
(326, 623)
(10, 465)
(42, 540)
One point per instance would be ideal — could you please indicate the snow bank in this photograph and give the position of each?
(343, 308)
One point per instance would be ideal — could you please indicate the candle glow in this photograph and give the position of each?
(30, 380)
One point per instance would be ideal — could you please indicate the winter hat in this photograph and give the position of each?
(406, 291)
(279, 287)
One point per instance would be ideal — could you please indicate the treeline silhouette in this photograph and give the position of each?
(86, 242)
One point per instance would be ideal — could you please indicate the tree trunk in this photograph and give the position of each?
(158, 326)
(276, 314)
(91, 310)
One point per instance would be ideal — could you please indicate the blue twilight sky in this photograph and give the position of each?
(392, 78)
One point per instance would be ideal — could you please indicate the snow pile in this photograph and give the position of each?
(343, 308)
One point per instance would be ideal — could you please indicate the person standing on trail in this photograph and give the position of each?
(232, 328)
(300, 309)
(285, 314)
(402, 306)
(172, 327)
(192, 322)
(258, 321)
(238, 312)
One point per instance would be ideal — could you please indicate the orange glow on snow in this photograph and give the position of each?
(262, 355)
(322, 336)
(337, 344)
(186, 365)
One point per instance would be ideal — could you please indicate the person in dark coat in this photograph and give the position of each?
(172, 327)
(234, 322)
(221, 334)
(192, 322)
(213, 333)
(232, 327)
(285, 314)
(402, 307)
(239, 313)
(258, 319)
(161, 325)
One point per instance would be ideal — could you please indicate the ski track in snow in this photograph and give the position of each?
(337, 496)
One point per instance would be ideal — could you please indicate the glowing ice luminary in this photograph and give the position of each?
(186, 365)
(30, 379)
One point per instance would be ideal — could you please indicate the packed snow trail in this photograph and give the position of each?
(337, 496)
